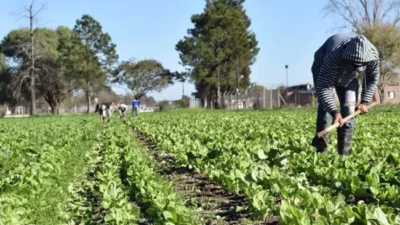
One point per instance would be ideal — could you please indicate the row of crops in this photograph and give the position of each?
(39, 158)
(267, 157)
(75, 170)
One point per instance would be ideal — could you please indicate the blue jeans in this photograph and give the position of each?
(135, 110)
(348, 98)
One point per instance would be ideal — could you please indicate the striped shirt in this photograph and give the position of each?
(329, 68)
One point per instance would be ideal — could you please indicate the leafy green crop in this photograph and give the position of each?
(161, 202)
(74, 170)
(39, 158)
(267, 157)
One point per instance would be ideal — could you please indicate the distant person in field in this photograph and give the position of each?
(105, 110)
(122, 108)
(135, 107)
(338, 63)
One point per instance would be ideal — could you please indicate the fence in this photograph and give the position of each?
(77, 109)
(253, 99)
(259, 99)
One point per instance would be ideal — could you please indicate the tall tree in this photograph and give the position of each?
(144, 76)
(29, 47)
(378, 20)
(99, 55)
(220, 48)
(183, 77)
(6, 93)
(55, 74)
(53, 54)
(16, 46)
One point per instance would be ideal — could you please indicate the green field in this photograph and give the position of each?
(198, 167)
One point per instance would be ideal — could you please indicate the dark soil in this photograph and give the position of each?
(207, 198)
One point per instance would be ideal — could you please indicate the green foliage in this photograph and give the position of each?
(96, 59)
(51, 46)
(144, 76)
(268, 158)
(39, 158)
(6, 91)
(106, 184)
(16, 46)
(219, 47)
(162, 204)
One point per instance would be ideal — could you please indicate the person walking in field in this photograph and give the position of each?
(135, 107)
(105, 110)
(122, 108)
(338, 63)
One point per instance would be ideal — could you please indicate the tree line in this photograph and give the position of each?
(56, 63)
(220, 48)
(217, 54)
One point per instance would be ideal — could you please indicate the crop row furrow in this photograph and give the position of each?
(156, 197)
(103, 198)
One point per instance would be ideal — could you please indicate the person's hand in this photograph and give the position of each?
(363, 108)
(338, 119)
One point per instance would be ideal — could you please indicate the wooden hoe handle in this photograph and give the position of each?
(347, 118)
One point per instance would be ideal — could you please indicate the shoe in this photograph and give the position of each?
(345, 136)
(326, 137)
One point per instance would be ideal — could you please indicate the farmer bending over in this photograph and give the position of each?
(338, 63)
(122, 110)
(105, 110)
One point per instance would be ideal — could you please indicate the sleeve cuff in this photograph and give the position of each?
(333, 113)
(364, 102)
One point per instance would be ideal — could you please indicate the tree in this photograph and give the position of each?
(16, 47)
(51, 73)
(220, 48)
(55, 82)
(6, 93)
(28, 47)
(377, 20)
(98, 56)
(144, 76)
(183, 77)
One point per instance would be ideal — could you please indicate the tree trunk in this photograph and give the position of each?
(32, 69)
(55, 108)
(381, 93)
(33, 97)
(219, 95)
(88, 101)
(88, 97)
(219, 91)
(183, 94)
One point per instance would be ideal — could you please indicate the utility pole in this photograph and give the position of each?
(183, 89)
(237, 81)
(287, 82)
(183, 93)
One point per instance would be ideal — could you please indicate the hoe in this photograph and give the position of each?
(320, 142)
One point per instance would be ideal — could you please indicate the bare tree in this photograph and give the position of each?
(378, 21)
(30, 13)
